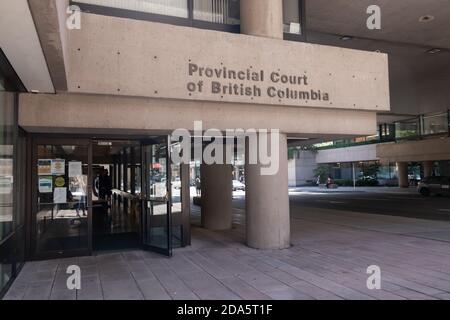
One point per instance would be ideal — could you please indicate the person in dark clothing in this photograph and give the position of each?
(104, 185)
(198, 186)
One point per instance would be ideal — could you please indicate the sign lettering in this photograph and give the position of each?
(252, 83)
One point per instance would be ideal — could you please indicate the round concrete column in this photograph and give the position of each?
(428, 168)
(403, 174)
(262, 18)
(216, 199)
(267, 201)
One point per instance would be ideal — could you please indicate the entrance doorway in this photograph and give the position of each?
(102, 194)
(116, 194)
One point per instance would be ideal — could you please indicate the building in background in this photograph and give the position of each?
(400, 154)
(412, 139)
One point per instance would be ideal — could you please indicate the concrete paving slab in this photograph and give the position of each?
(331, 251)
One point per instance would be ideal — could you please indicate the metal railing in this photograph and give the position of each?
(422, 126)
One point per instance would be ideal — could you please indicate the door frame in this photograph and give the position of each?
(32, 197)
(145, 196)
(32, 140)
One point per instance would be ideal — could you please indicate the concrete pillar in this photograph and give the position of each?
(263, 18)
(428, 168)
(267, 202)
(216, 199)
(403, 181)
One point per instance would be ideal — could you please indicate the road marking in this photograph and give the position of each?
(445, 210)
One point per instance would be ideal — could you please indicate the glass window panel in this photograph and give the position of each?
(175, 8)
(177, 228)
(291, 16)
(128, 166)
(137, 171)
(6, 261)
(20, 180)
(407, 128)
(6, 163)
(157, 172)
(435, 124)
(61, 217)
(121, 175)
(217, 11)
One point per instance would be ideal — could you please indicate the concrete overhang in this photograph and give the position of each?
(94, 114)
(50, 20)
(20, 43)
(433, 149)
(116, 67)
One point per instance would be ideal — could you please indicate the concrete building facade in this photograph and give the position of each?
(97, 88)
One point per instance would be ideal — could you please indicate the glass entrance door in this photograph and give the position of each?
(61, 197)
(156, 196)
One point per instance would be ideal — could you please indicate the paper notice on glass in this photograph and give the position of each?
(294, 28)
(75, 169)
(44, 167)
(160, 189)
(60, 195)
(58, 167)
(45, 184)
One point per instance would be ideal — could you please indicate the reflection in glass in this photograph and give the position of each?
(407, 128)
(6, 185)
(177, 229)
(6, 163)
(435, 124)
(157, 205)
(175, 8)
(217, 11)
(62, 198)
(291, 17)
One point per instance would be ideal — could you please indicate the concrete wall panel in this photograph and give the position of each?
(350, 154)
(90, 113)
(128, 57)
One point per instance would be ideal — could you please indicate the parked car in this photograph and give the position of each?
(434, 185)
(237, 185)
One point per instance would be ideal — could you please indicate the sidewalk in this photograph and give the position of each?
(396, 190)
(328, 260)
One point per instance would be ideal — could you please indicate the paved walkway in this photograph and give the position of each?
(328, 260)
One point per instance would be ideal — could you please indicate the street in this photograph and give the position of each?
(391, 202)
(383, 201)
